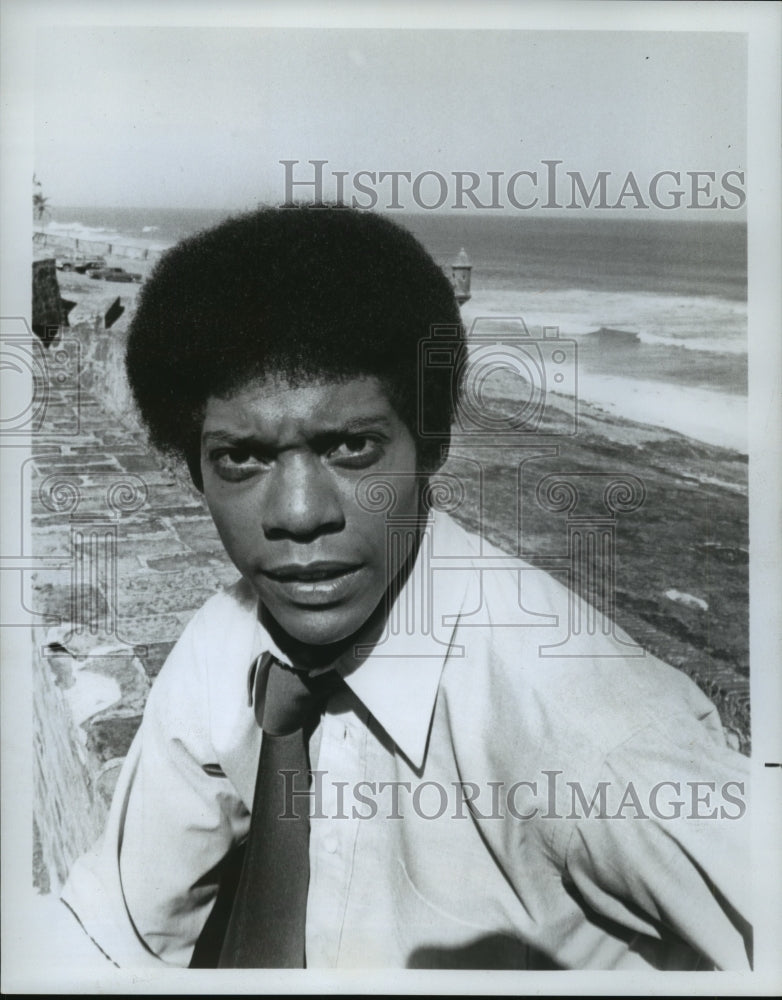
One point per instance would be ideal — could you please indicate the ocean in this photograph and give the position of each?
(676, 290)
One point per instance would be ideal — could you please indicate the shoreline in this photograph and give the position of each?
(676, 394)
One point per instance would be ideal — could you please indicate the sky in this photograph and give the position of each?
(202, 116)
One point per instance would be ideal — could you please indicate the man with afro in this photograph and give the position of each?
(464, 797)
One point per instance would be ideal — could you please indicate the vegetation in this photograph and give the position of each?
(40, 202)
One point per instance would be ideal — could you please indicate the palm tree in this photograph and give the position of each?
(40, 203)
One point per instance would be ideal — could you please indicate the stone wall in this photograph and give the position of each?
(131, 553)
(102, 369)
(76, 770)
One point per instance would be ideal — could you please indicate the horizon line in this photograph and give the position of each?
(651, 215)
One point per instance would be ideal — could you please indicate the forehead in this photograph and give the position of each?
(274, 405)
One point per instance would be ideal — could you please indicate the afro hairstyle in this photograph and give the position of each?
(303, 292)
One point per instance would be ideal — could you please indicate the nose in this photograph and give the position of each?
(301, 500)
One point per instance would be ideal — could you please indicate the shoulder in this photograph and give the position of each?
(222, 627)
(214, 652)
(532, 658)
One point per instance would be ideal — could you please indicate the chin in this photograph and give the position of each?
(320, 628)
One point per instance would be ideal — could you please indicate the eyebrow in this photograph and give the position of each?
(358, 425)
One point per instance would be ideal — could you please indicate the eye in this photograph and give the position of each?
(355, 452)
(235, 464)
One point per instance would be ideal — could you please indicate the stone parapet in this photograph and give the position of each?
(127, 553)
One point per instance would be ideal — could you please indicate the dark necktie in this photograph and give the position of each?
(267, 923)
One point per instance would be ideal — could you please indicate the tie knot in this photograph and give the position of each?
(287, 700)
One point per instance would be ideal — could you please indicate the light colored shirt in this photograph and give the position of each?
(491, 790)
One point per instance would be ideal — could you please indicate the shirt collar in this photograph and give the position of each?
(398, 681)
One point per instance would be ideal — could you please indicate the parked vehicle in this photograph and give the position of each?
(113, 274)
(80, 264)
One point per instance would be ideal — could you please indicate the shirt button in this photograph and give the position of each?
(330, 843)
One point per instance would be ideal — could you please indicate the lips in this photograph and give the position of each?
(314, 583)
(320, 570)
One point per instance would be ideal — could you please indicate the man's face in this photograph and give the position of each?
(280, 466)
